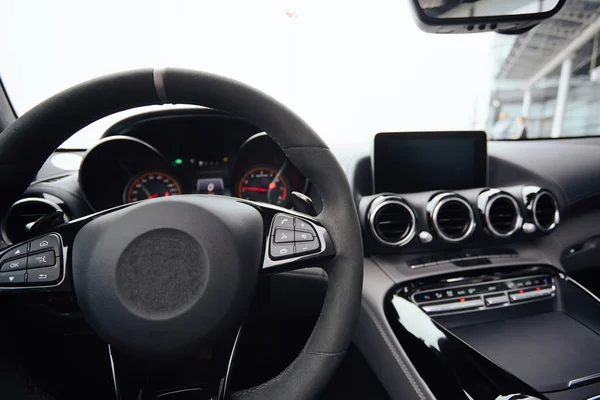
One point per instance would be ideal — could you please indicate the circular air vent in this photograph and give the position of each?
(545, 211)
(503, 215)
(23, 212)
(392, 221)
(453, 219)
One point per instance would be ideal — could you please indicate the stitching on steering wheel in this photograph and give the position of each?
(403, 366)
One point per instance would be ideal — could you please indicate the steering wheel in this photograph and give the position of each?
(160, 278)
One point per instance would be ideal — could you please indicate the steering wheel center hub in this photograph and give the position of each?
(161, 277)
(162, 273)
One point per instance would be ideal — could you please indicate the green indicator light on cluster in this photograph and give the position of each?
(178, 161)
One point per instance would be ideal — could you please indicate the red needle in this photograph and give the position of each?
(254, 189)
(153, 196)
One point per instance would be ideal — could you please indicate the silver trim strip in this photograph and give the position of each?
(518, 220)
(596, 397)
(223, 390)
(583, 380)
(556, 212)
(179, 391)
(158, 75)
(580, 286)
(114, 374)
(436, 210)
(390, 200)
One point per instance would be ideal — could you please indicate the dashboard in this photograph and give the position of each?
(484, 239)
(167, 154)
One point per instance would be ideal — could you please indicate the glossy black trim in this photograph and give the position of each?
(451, 368)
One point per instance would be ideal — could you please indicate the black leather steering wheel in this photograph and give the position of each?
(217, 246)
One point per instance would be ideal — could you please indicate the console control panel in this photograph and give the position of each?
(491, 294)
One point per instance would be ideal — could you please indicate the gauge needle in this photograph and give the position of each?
(147, 192)
(153, 196)
(254, 189)
(273, 184)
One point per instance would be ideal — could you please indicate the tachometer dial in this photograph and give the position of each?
(264, 184)
(150, 185)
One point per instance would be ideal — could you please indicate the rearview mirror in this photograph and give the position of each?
(460, 16)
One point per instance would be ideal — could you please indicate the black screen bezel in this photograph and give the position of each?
(480, 160)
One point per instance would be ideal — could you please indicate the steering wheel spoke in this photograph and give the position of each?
(293, 240)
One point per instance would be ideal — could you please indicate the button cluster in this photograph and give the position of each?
(36, 262)
(490, 294)
(292, 236)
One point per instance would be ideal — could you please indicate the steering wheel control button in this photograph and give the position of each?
(43, 275)
(15, 252)
(302, 225)
(44, 243)
(283, 221)
(12, 278)
(303, 236)
(17, 264)
(45, 259)
(307, 247)
(282, 250)
(283, 236)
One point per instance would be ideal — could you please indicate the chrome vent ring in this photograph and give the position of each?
(392, 222)
(503, 215)
(453, 218)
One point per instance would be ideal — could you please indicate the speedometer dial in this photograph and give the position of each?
(264, 184)
(151, 185)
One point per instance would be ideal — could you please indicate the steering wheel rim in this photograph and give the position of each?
(65, 113)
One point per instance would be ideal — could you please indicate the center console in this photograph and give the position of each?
(528, 330)
(462, 275)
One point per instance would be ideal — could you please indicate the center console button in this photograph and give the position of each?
(531, 294)
(12, 278)
(43, 275)
(14, 265)
(496, 300)
(454, 306)
(44, 243)
(45, 259)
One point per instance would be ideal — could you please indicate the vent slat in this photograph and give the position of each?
(545, 210)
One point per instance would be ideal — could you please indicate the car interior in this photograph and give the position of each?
(208, 243)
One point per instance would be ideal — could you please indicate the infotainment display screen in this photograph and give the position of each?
(407, 162)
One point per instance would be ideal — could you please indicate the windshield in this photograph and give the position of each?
(350, 69)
